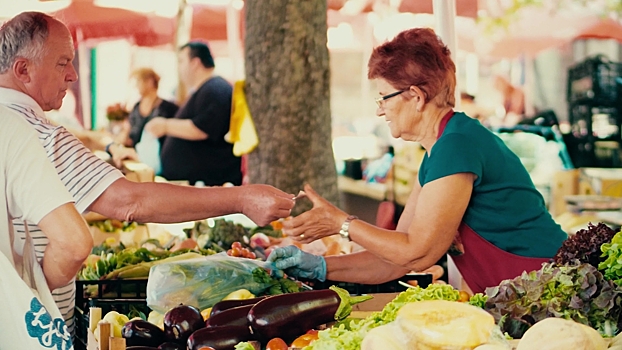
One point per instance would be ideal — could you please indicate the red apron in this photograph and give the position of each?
(481, 263)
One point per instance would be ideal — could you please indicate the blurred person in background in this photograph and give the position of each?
(195, 148)
(513, 101)
(473, 199)
(149, 107)
(36, 70)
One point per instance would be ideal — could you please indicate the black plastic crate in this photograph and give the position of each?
(594, 79)
(122, 296)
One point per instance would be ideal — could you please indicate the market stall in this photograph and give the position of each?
(573, 302)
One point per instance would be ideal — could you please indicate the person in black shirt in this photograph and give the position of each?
(149, 107)
(195, 148)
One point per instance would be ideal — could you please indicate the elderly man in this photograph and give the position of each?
(32, 192)
(35, 72)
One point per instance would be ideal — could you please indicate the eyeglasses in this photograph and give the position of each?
(386, 97)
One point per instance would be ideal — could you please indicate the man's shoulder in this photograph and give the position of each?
(216, 84)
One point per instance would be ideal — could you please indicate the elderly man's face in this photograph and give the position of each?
(51, 78)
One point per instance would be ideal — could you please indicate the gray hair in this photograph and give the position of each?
(23, 36)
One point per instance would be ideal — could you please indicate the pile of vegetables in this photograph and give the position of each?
(349, 335)
(111, 225)
(220, 236)
(584, 246)
(112, 262)
(204, 281)
(577, 292)
(234, 321)
(581, 284)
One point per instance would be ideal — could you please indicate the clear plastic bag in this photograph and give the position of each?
(201, 282)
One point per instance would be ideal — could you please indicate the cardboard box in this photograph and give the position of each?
(137, 172)
(565, 183)
(600, 181)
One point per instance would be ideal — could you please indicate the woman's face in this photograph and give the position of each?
(144, 86)
(400, 111)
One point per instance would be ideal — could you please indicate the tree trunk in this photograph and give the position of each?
(288, 94)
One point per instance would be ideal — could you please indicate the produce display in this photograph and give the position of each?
(112, 225)
(226, 297)
(203, 281)
(580, 285)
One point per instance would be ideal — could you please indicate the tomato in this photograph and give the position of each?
(206, 348)
(276, 344)
(236, 245)
(304, 340)
(464, 296)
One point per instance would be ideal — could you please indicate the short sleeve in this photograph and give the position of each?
(212, 111)
(167, 109)
(34, 188)
(452, 154)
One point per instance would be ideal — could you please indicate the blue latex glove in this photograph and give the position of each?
(297, 263)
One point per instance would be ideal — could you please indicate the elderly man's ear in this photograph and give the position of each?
(21, 70)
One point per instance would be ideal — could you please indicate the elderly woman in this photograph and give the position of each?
(473, 194)
(149, 106)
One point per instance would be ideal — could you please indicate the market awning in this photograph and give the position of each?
(96, 22)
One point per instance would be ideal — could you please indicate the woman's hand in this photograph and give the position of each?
(157, 127)
(323, 220)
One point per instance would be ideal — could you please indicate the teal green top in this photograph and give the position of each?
(505, 207)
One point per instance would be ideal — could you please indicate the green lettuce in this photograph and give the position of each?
(612, 266)
(349, 335)
(580, 293)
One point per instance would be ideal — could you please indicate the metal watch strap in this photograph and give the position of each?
(345, 227)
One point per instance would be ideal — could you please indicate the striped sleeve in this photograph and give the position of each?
(84, 175)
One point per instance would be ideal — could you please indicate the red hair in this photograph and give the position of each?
(416, 57)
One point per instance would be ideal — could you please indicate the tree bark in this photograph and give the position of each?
(288, 94)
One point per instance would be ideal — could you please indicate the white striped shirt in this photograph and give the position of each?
(84, 175)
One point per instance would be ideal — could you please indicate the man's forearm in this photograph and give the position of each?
(165, 203)
(361, 267)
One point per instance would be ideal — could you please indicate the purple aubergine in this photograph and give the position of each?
(140, 332)
(180, 322)
(219, 338)
(237, 316)
(171, 346)
(229, 304)
(288, 316)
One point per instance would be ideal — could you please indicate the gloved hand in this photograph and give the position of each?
(297, 263)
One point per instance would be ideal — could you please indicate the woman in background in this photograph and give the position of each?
(149, 107)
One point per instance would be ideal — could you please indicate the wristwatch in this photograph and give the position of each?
(345, 227)
(107, 149)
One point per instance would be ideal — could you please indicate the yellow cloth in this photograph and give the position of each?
(242, 133)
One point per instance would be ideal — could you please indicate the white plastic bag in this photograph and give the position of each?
(202, 282)
(29, 319)
(148, 150)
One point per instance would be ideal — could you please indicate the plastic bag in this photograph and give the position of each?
(201, 282)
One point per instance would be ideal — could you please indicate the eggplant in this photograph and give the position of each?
(180, 322)
(288, 316)
(229, 304)
(140, 332)
(171, 346)
(236, 316)
(140, 347)
(219, 338)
